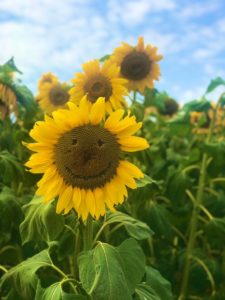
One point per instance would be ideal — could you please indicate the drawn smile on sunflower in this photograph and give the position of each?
(52, 94)
(138, 64)
(100, 81)
(80, 156)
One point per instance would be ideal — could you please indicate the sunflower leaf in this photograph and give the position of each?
(22, 278)
(135, 228)
(214, 84)
(41, 222)
(55, 292)
(108, 272)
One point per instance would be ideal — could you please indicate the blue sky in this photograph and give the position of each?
(58, 36)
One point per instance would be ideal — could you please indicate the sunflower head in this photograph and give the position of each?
(100, 81)
(52, 94)
(80, 155)
(170, 107)
(138, 64)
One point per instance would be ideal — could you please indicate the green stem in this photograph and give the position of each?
(88, 234)
(135, 96)
(196, 210)
(76, 252)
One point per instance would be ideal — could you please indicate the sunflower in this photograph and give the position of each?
(138, 64)
(8, 101)
(52, 94)
(80, 155)
(100, 81)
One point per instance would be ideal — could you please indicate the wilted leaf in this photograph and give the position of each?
(22, 278)
(41, 222)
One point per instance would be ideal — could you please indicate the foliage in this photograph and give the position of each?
(138, 252)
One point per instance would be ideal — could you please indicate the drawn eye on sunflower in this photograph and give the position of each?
(100, 81)
(12, 93)
(80, 155)
(138, 64)
(52, 94)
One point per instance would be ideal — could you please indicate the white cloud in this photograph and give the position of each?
(196, 10)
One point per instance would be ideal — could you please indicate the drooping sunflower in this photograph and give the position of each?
(100, 81)
(52, 94)
(8, 101)
(80, 155)
(138, 64)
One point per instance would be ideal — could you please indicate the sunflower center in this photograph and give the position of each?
(58, 96)
(98, 86)
(87, 156)
(135, 66)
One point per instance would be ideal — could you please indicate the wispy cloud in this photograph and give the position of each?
(59, 36)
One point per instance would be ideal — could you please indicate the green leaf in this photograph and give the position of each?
(41, 222)
(156, 216)
(215, 230)
(214, 84)
(25, 96)
(145, 292)
(159, 284)
(22, 278)
(10, 215)
(196, 105)
(135, 228)
(145, 181)
(108, 272)
(104, 58)
(10, 66)
(56, 292)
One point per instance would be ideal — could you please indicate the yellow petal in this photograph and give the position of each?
(97, 111)
(131, 169)
(133, 143)
(64, 199)
(90, 202)
(114, 118)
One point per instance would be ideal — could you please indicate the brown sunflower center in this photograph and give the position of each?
(98, 86)
(58, 96)
(135, 65)
(87, 156)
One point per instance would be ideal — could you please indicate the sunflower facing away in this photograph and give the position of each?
(52, 94)
(8, 103)
(100, 81)
(138, 64)
(80, 155)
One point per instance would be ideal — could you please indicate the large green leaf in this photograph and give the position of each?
(135, 228)
(22, 278)
(108, 272)
(41, 222)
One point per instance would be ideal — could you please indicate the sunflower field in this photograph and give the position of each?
(109, 188)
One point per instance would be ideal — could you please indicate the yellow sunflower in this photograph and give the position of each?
(138, 64)
(52, 94)
(8, 103)
(100, 81)
(80, 155)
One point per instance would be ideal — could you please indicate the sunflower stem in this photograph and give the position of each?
(88, 234)
(134, 96)
(196, 211)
